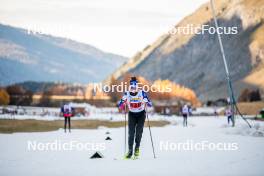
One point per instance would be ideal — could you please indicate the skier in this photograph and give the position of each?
(185, 113)
(228, 113)
(67, 112)
(136, 100)
(215, 111)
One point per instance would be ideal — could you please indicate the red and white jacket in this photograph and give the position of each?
(135, 103)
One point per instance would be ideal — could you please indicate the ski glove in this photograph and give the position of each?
(121, 105)
(149, 104)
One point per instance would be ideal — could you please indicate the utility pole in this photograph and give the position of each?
(229, 83)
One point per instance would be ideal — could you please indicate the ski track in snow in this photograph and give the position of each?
(16, 159)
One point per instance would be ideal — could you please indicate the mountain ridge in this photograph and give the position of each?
(38, 57)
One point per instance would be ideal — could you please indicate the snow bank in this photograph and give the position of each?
(241, 128)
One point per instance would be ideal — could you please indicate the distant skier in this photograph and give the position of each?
(136, 100)
(228, 113)
(67, 112)
(185, 114)
(215, 111)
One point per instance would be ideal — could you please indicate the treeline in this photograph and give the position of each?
(179, 92)
(15, 95)
(248, 95)
(22, 94)
(4, 97)
(161, 92)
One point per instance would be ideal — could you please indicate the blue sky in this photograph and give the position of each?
(118, 26)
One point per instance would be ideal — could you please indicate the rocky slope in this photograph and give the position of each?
(195, 61)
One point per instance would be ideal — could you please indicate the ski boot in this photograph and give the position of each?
(136, 154)
(129, 154)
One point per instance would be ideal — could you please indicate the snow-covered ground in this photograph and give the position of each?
(93, 116)
(243, 154)
(207, 110)
(44, 113)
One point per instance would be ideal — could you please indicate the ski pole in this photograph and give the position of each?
(125, 130)
(153, 150)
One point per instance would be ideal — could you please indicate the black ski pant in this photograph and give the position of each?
(67, 120)
(135, 128)
(229, 118)
(185, 116)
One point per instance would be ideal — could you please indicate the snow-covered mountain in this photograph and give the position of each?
(195, 61)
(35, 57)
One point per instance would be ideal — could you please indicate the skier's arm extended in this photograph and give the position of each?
(146, 99)
(122, 102)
